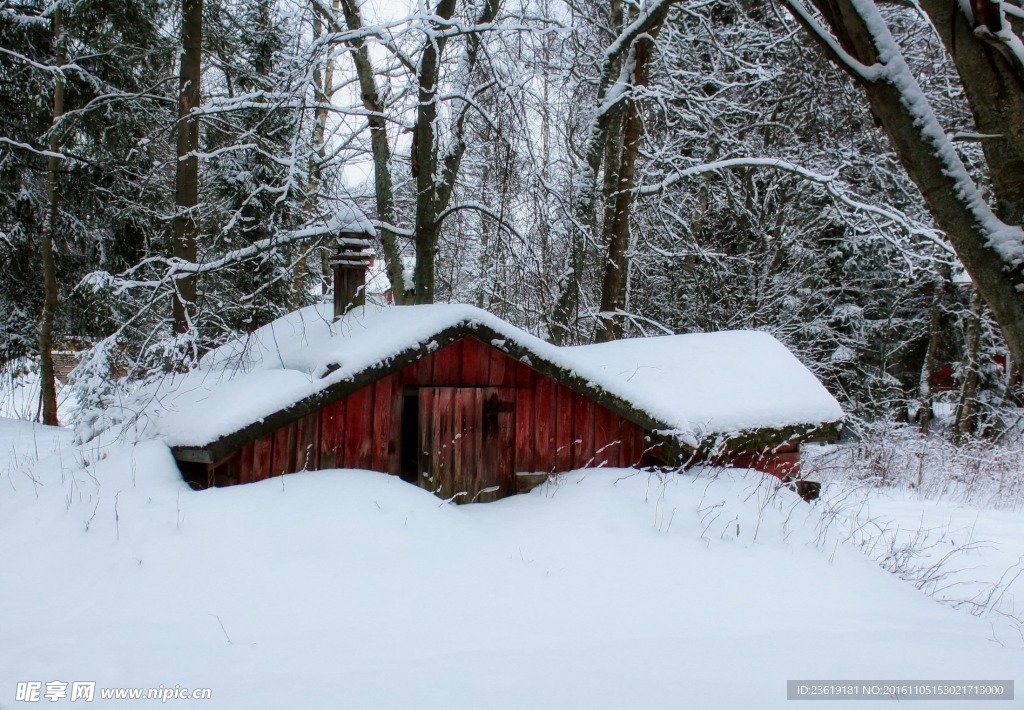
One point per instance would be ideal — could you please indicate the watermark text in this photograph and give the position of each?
(35, 691)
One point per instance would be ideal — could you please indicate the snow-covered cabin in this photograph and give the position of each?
(473, 408)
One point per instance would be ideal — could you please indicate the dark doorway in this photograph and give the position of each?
(410, 444)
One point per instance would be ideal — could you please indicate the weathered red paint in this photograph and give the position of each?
(782, 462)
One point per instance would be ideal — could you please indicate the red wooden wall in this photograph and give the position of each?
(782, 462)
(543, 425)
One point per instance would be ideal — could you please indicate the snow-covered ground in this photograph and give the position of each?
(22, 443)
(351, 589)
(19, 393)
(967, 557)
(948, 520)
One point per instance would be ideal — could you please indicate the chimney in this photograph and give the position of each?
(351, 262)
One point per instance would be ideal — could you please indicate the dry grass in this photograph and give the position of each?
(977, 472)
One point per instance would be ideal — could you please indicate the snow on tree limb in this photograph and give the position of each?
(179, 268)
(1006, 240)
(829, 182)
(649, 15)
(860, 71)
(32, 149)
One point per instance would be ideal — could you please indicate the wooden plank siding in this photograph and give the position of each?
(781, 461)
(484, 417)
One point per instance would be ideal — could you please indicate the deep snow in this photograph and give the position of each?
(979, 553)
(353, 589)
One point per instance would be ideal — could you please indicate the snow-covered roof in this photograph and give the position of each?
(711, 383)
(694, 385)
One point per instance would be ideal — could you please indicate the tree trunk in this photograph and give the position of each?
(435, 173)
(603, 129)
(994, 86)
(605, 136)
(925, 152)
(616, 266)
(925, 411)
(380, 149)
(434, 176)
(424, 161)
(47, 376)
(186, 177)
(964, 423)
(323, 90)
(483, 286)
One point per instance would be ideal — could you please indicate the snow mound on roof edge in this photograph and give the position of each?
(725, 382)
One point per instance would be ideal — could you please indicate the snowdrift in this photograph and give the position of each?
(353, 589)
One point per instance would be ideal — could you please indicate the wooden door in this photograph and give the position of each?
(466, 442)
